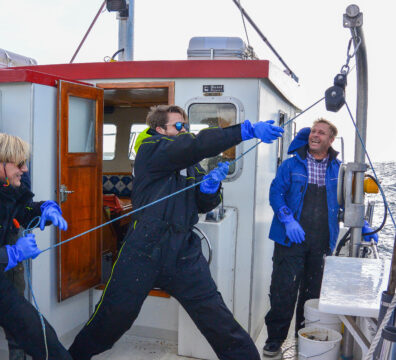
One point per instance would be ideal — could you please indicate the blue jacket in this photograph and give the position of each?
(290, 184)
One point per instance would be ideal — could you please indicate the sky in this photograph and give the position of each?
(308, 34)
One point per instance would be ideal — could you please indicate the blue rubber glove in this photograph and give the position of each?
(25, 248)
(214, 178)
(367, 229)
(50, 210)
(263, 130)
(294, 231)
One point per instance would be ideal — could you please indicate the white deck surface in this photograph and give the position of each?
(139, 348)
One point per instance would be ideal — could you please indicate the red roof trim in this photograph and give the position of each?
(157, 69)
(32, 76)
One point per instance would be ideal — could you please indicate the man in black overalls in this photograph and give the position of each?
(160, 249)
(305, 228)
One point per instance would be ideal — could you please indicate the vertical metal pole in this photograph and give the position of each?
(353, 20)
(361, 123)
(126, 33)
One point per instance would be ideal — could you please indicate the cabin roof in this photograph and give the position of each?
(149, 69)
(49, 74)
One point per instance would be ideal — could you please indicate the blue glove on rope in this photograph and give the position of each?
(294, 231)
(211, 185)
(263, 130)
(50, 210)
(367, 229)
(25, 248)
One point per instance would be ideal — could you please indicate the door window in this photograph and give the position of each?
(81, 125)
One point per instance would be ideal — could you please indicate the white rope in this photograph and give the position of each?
(377, 337)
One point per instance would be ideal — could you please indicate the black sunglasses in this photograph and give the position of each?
(179, 125)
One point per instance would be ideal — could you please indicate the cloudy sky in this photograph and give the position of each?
(308, 34)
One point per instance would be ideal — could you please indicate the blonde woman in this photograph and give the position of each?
(18, 317)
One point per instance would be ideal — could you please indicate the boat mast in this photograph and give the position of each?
(126, 32)
(353, 19)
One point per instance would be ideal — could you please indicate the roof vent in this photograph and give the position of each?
(218, 48)
(10, 59)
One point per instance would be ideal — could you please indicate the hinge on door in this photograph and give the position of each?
(63, 193)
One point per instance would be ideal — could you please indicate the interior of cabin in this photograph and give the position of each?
(125, 109)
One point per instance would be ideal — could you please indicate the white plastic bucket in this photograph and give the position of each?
(314, 317)
(318, 343)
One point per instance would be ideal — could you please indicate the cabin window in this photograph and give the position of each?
(109, 141)
(206, 115)
(81, 125)
(136, 129)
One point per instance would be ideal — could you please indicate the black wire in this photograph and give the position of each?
(116, 53)
(343, 241)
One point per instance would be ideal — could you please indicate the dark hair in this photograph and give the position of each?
(333, 129)
(158, 115)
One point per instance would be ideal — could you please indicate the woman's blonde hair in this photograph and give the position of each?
(13, 149)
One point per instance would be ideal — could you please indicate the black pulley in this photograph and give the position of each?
(335, 95)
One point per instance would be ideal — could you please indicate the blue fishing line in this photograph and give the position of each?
(173, 194)
(28, 229)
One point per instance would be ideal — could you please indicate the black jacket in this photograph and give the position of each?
(15, 203)
(165, 165)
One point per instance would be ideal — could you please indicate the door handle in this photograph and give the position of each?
(63, 192)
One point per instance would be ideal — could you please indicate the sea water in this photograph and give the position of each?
(386, 173)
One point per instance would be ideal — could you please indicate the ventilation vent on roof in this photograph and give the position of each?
(10, 59)
(218, 48)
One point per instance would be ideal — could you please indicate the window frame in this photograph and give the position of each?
(115, 142)
(240, 114)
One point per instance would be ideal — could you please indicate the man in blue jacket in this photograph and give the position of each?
(160, 248)
(305, 227)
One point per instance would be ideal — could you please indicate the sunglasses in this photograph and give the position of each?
(179, 125)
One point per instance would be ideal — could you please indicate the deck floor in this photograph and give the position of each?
(139, 348)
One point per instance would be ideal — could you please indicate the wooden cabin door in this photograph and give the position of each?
(79, 188)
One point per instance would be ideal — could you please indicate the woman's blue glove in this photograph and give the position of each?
(25, 248)
(50, 210)
(263, 130)
(214, 178)
(367, 229)
(294, 231)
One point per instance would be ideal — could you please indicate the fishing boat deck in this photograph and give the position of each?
(140, 348)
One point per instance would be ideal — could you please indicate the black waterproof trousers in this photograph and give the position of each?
(298, 269)
(157, 255)
(21, 321)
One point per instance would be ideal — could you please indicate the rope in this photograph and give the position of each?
(30, 227)
(385, 320)
(38, 309)
(243, 21)
(371, 165)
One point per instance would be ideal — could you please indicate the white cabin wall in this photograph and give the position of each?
(238, 193)
(16, 109)
(30, 112)
(269, 105)
(66, 315)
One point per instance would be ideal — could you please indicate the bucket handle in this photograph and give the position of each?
(311, 356)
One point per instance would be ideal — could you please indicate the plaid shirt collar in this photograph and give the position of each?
(317, 170)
